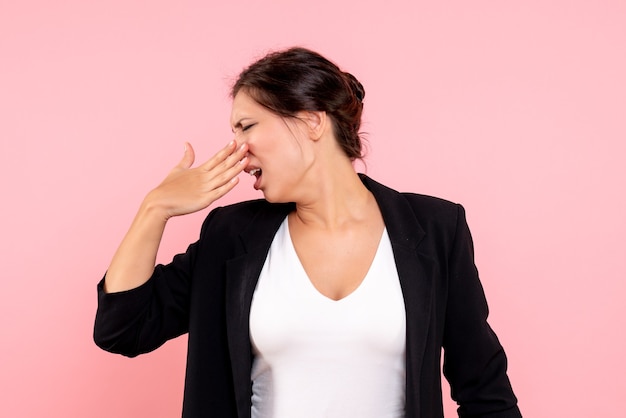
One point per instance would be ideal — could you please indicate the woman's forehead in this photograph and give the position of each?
(242, 104)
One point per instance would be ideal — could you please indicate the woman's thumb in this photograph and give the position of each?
(188, 157)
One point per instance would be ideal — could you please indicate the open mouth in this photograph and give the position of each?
(256, 172)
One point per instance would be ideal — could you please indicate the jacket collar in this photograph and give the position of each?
(242, 274)
(415, 270)
(400, 221)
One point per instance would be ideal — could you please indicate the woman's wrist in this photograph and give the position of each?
(153, 208)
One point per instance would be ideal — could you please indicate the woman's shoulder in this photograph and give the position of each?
(237, 216)
(424, 206)
(241, 208)
(431, 205)
(249, 208)
(433, 202)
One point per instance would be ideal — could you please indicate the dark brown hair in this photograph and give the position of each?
(298, 79)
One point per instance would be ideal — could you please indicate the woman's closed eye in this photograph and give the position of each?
(245, 128)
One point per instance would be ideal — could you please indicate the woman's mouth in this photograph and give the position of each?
(256, 172)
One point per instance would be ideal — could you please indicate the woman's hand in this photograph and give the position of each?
(187, 190)
(184, 190)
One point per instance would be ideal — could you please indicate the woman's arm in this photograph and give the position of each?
(474, 361)
(185, 190)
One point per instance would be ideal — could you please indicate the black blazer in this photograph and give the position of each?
(207, 292)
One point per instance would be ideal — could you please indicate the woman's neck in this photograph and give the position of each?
(334, 198)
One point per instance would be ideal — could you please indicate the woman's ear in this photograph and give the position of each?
(316, 122)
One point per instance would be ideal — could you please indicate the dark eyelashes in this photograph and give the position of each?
(245, 128)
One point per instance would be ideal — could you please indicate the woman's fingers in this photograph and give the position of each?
(224, 166)
(226, 171)
(186, 190)
(227, 156)
(226, 187)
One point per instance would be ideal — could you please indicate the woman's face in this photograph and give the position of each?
(279, 151)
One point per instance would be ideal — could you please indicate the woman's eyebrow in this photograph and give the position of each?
(238, 124)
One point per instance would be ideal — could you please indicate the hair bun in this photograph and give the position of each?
(356, 86)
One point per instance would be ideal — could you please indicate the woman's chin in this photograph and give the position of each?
(274, 197)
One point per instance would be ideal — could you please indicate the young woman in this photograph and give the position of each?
(331, 297)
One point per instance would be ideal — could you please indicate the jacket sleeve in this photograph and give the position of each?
(142, 319)
(474, 361)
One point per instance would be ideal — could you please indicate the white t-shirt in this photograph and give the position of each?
(316, 357)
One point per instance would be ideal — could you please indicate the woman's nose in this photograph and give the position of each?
(240, 138)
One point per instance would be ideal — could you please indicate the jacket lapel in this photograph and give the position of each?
(416, 271)
(242, 274)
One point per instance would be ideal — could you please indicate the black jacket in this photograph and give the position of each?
(207, 292)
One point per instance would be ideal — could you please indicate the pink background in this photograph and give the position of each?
(515, 109)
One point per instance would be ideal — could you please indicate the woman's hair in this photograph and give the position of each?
(298, 79)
